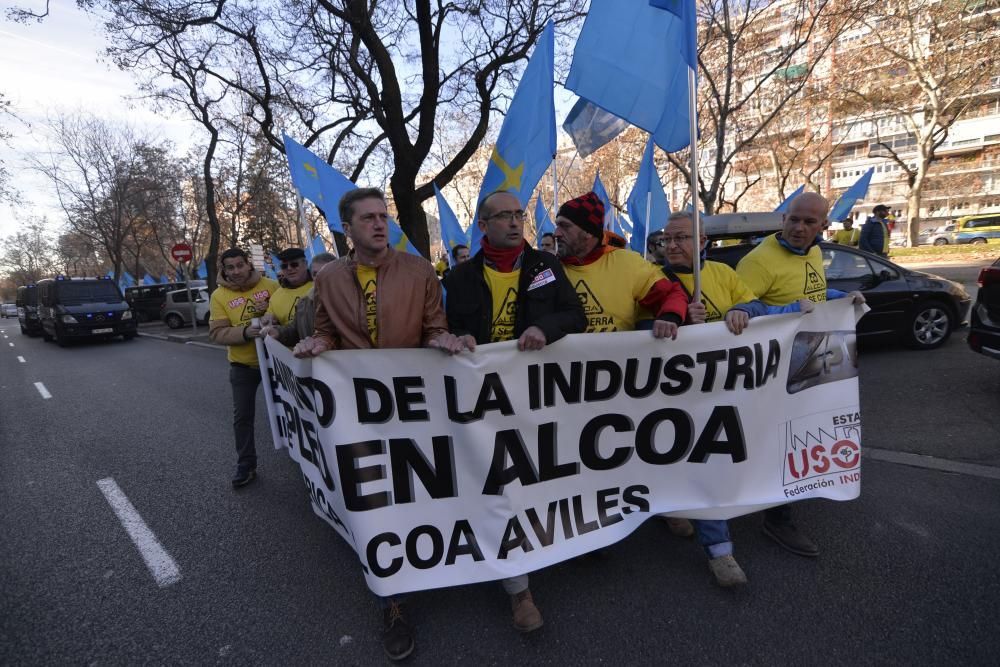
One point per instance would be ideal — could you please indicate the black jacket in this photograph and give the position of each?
(553, 307)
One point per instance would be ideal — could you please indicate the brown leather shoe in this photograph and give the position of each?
(526, 614)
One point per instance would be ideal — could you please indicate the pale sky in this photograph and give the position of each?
(58, 65)
(55, 65)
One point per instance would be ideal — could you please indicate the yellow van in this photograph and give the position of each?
(977, 228)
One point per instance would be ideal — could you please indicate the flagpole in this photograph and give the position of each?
(302, 216)
(555, 195)
(649, 207)
(695, 217)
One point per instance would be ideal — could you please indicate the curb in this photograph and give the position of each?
(173, 338)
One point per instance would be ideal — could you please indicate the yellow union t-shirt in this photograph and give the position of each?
(239, 309)
(611, 287)
(721, 289)
(847, 236)
(368, 278)
(503, 288)
(283, 301)
(778, 276)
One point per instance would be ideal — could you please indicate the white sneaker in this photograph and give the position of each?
(727, 571)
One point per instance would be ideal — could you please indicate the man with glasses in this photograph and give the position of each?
(655, 248)
(724, 297)
(398, 298)
(241, 298)
(296, 281)
(509, 291)
(302, 322)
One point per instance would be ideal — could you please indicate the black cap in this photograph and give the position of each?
(288, 254)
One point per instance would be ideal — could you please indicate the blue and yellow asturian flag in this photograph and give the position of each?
(527, 140)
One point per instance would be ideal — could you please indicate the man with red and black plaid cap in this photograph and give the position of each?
(614, 285)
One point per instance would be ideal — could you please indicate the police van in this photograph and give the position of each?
(75, 308)
(27, 310)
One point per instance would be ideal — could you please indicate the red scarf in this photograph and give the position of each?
(502, 259)
(593, 256)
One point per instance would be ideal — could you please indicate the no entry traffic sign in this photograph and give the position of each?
(181, 252)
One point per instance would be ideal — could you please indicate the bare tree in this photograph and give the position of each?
(934, 60)
(755, 57)
(97, 170)
(28, 254)
(76, 255)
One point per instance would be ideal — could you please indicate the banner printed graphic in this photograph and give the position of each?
(442, 471)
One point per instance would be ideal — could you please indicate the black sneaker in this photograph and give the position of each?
(244, 476)
(397, 637)
(791, 539)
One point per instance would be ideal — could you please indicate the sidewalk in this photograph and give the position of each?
(186, 334)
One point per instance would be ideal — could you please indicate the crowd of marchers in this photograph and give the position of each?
(580, 281)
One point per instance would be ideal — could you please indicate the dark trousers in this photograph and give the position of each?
(781, 514)
(244, 380)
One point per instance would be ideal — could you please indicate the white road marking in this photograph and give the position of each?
(11, 344)
(21, 359)
(42, 390)
(163, 568)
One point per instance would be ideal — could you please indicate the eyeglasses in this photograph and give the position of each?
(664, 241)
(508, 216)
(290, 265)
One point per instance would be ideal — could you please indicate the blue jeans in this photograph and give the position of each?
(713, 536)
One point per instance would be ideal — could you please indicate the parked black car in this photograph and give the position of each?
(27, 310)
(83, 308)
(146, 300)
(918, 308)
(984, 334)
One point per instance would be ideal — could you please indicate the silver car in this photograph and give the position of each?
(939, 236)
(176, 308)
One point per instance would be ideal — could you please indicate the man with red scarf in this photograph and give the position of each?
(508, 291)
(616, 287)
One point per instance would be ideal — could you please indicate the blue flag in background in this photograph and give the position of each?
(317, 181)
(543, 225)
(685, 12)
(164, 280)
(148, 280)
(624, 222)
(527, 140)
(602, 194)
(202, 271)
(316, 247)
(180, 274)
(452, 233)
(647, 186)
(328, 185)
(399, 240)
(783, 206)
(591, 127)
(850, 197)
(629, 61)
(127, 279)
(621, 226)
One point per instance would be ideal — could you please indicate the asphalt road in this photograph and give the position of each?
(906, 574)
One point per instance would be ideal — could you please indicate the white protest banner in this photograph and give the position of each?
(446, 470)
